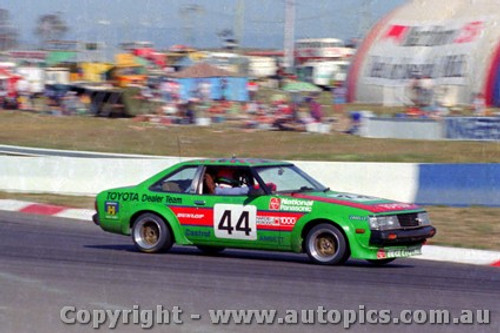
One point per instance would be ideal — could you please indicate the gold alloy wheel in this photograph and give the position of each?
(326, 245)
(147, 234)
(150, 233)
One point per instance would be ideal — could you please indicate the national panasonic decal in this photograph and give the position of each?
(293, 205)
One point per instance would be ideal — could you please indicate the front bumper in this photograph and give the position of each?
(401, 236)
(95, 218)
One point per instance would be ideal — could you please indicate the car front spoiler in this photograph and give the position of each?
(401, 236)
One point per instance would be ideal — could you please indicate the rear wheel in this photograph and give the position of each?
(325, 244)
(211, 250)
(151, 234)
(380, 262)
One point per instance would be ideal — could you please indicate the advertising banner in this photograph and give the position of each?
(473, 128)
(440, 50)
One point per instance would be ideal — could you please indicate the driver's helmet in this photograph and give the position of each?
(226, 176)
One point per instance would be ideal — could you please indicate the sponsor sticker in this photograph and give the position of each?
(267, 220)
(292, 205)
(197, 233)
(381, 254)
(404, 252)
(276, 220)
(190, 216)
(358, 218)
(111, 208)
(274, 204)
(272, 239)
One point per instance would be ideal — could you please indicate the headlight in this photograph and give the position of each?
(423, 219)
(384, 222)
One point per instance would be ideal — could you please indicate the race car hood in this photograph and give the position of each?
(368, 203)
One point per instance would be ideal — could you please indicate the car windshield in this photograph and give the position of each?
(289, 178)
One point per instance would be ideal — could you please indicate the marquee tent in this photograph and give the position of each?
(455, 43)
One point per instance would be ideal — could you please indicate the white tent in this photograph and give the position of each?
(454, 42)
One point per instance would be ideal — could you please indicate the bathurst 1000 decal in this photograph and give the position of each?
(223, 214)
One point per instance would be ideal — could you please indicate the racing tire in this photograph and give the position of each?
(210, 250)
(380, 262)
(151, 234)
(325, 244)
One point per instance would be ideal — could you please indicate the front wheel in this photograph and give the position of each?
(151, 234)
(326, 244)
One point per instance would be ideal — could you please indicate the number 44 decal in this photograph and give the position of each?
(235, 221)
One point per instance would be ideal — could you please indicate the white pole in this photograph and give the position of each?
(289, 34)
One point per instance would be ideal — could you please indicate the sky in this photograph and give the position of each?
(163, 21)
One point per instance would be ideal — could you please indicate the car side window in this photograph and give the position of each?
(224, 180)
(177, 182)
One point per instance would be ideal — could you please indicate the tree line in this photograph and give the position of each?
(48, 27)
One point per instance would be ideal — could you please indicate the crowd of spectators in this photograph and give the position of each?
(289, 112)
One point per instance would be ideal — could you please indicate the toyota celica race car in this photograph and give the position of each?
(215, 204)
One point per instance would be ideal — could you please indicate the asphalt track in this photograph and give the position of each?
(47, 263)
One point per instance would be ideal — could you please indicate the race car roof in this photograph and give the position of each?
(238, 162)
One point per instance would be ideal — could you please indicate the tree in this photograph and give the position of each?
(8, 35)
(50, 27)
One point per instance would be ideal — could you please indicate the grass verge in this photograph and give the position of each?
(224, 140)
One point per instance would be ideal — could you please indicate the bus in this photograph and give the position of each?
(323, 73)
(316, 49)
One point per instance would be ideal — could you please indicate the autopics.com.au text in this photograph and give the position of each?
(161, 315)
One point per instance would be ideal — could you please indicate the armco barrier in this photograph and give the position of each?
(459, 184)
(437, 184)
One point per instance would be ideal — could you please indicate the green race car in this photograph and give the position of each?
(260, 204)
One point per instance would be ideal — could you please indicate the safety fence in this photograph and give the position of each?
(434, 184)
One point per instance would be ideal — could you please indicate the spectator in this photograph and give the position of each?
(223, 89)
(164, 90)
(190, 112)
(339, 97)
(479, 105)
(416, 90)
(253, 88)
(427, 91)
(315, 110)
(355, 123)
(206, 90)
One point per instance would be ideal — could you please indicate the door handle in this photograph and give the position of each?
(199, 202)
